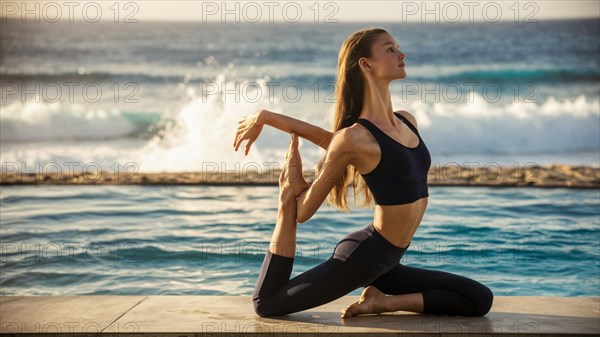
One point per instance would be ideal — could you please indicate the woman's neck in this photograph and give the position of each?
(377, 105)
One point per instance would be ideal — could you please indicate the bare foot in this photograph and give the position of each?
(371, 302)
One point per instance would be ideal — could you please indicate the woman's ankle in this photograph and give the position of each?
(287, 197)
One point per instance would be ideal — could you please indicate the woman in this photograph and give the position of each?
(370, 144)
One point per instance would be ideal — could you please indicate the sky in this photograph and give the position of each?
(429, 11)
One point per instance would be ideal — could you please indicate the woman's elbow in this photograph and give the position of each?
(303, 216)
(326, 140)
(301, 219)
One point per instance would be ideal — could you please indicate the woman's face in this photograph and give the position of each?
(387, 61)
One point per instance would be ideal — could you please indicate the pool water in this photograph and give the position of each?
(210, 240)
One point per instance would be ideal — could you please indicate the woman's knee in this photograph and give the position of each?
(485, 301)
(260, 308)
(265, 309)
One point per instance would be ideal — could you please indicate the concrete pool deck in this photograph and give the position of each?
(234, 316)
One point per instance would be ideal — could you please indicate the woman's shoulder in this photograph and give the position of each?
(408, 116)
(350, 139)
(355, 134)
(347, 136)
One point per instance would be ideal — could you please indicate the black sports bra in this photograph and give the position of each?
(401, 175)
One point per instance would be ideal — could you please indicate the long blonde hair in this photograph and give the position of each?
(350, 87)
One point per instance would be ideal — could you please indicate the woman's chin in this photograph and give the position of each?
(401, 76)
(397, 75)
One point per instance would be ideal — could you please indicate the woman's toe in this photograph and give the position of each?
(346, 313)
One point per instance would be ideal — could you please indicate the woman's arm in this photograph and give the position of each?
(339, 155)
(314, 134)
(249, 129)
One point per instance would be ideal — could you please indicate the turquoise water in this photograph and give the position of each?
(201, 240)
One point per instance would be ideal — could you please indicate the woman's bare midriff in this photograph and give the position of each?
(398, 223)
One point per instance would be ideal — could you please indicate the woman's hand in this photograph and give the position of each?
(249, 128)
(291, 180)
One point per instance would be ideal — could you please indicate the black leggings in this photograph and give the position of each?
(361, 259)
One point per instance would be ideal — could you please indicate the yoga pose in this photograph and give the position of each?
(382, 155)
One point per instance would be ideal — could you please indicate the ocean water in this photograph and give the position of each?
(203, 240)
(166, 96)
